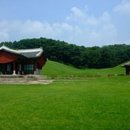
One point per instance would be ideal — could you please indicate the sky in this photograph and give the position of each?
(81, 22)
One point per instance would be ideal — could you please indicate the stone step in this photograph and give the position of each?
(23, 79)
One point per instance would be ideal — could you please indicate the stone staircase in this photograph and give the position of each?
(24, 79)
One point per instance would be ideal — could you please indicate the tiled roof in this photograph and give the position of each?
(29, 53)
(9, 50)
(126, 64)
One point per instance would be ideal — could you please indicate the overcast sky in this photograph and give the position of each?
(81, 22)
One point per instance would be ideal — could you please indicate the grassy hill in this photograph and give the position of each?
(59, 70)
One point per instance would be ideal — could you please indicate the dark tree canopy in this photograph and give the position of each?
(78, 56)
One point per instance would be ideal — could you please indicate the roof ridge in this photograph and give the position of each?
(24, 52)
(3, 47)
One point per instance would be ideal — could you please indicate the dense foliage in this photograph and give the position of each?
(78, 56)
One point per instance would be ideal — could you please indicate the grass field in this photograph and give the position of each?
(91, 103)
(97, 103)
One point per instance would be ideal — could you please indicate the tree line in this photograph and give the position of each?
(78, 56)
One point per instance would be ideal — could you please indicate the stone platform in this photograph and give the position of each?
(24, 79)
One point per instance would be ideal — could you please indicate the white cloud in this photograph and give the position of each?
(77, 12)
(79, 27)
(93, 30)
(123, 8)
(36, 28)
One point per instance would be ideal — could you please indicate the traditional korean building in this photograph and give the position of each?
(25, 61)
(127, 67)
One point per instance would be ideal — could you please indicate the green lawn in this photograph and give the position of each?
(87, 102)
(95, 103)
(58, 70)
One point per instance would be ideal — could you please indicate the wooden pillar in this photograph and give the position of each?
(127, 70)
(22, 68)
(19, 69)
(14, 69)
